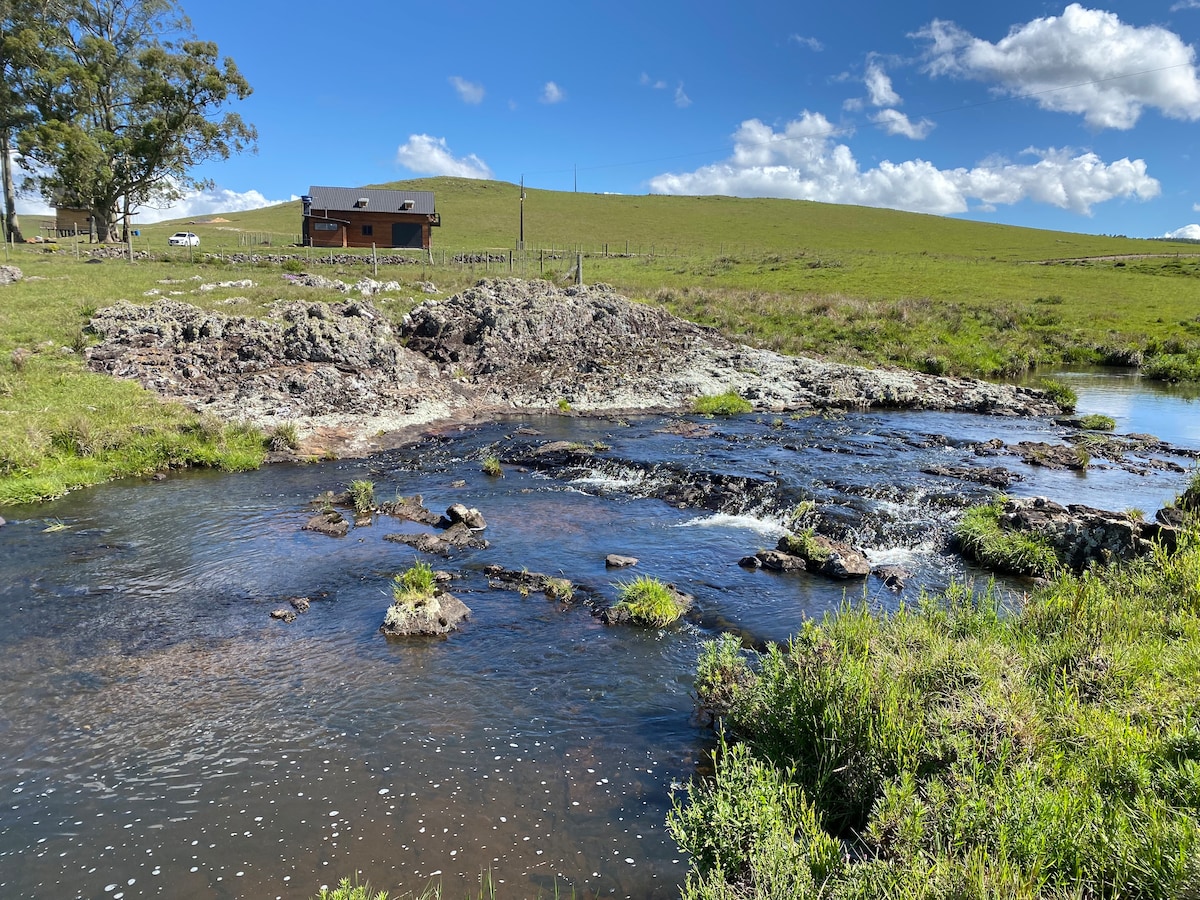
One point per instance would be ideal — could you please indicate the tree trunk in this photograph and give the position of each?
(10, 194)
(107, 222)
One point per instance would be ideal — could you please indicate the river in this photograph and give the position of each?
(161, 735)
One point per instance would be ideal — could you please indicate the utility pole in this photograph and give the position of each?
(521, 236)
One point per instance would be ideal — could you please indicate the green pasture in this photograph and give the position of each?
(847, 283)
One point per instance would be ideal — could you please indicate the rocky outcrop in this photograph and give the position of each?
(457, 537)
(499, 346)
(10, 275)
(530, 344)
(1081, 535)
(813, 553)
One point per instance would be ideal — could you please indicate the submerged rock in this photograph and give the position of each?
(332, 523)
(457, 537)
(616, 561)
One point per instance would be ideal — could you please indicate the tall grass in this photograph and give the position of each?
(957, 748)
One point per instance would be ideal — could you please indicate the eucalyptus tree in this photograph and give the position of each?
(126, 102)
(13, 110)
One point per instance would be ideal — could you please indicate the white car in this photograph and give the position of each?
(183, 239)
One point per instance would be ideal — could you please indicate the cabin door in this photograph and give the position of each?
(406, 234)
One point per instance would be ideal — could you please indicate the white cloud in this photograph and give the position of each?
(656, 83)
(468, 91)
(895, 122)
(879, 86)
(812, 43)
(1186, 4)
(198, 204)
(427, 155)
(804, 162)
(1086, 61)
(682, 100)
(552, 93)
(1187, 233)
(1196, 207)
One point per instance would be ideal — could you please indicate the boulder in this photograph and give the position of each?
(439, 614)
(779, 561)
(472, 518)
(332, 523)
(616, 561)
(457, 537)
(10, 275)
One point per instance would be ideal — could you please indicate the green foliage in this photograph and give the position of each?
(1097, 422)
(981, 538)
(559, 589)
(721, 674)
(649, 602)
(961, 749)
(414, 585)
(284, 436)
(564, 405)
(123, 108)
(805, 545)
(728, 404)
(362, 496)
(1062, 394)
(491, 466)
(347, 890)
(1174, 367)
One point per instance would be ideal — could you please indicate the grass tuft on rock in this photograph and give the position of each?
(415, 585)
(981, 538)
(362, 496)
(728, 404)
(1097, 422)
(649, 602)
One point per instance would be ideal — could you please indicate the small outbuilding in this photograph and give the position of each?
(366, 217)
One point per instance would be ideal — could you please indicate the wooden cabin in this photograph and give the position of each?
(365, 217)
(69, 220)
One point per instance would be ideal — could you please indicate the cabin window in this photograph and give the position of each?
(368, 230)
(325, 226)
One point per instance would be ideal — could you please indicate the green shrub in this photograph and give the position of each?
(1097, 422)
(347, 891)
(559, 589)
(1062, 394)
(491, 466)
(805, 545)
(284, 436)
(564, 405)
(415, 585)
(728, 404)
(362, 496)
(981, 538)
(649, 602)
(721, 673)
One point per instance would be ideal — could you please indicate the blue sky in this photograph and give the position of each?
(1074, 117)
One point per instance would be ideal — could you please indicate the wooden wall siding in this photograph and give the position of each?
(68, 220)
(351, 235)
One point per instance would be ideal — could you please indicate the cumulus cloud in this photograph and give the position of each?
(812, 43)
(804, 161)
(1186, 4)
(468, 91)
(656, 83)
(895, 122)
(682, 100)
(1186, 233)
(879, 86)
(552, 93)
(1086, 62)
(427, 155)
(198, 204)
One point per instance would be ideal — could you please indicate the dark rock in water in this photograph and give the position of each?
(1168, 515)
(616, 561)
(410, 508)
(439, 614)
(1081, 535)
(778, 561)
(332, 523)
(750, 562)
(472, 518)
(525, 582)
(284, 615)
(893, 577)
(457, 537)
(1051, 456)
(300, 604)
(995, 476)
(817, 554)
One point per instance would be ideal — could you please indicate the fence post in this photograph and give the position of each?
(374, 261)
(579, 268)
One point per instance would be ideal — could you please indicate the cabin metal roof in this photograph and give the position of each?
(378, 200)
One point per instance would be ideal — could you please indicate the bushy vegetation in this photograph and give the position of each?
(362, 496)
(491, 466)
(649, 602)
(415, 585)
(981, 538)
(1097, 422)
(728, 404)
(963, 749)
(348, 890)
(805, 545)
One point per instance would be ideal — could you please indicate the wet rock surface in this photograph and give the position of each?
(501, 345)
(439, 614)
(1081, 535)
